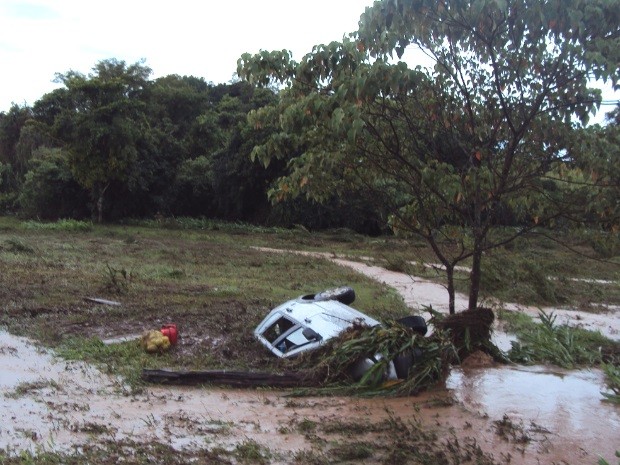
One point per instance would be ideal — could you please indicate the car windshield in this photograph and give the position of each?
(277, 329)
(285, 335)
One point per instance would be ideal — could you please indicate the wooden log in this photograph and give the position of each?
(229, 378)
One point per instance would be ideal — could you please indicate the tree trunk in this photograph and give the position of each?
(100, 198)
(474, 277)
(100, 208)
(451, 291)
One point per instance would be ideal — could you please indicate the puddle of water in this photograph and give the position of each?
(120, 339)
(566, 404)
(503, 341)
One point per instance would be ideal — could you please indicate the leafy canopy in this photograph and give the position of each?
(451, 148)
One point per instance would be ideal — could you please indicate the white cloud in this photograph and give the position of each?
(203, 38)
(200, 38)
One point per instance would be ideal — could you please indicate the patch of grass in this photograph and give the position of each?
(548, 268)
(60, 225)
(550, 343)
(605, 243)
(92, 428)
(125, 359)
(511, 431)
(352, 451)
(306, 426)
(602, 461)
(18, 246)
(206, 224)
(612, 375)
(392, 440)
(113, 452)
(117, 280)
(250, 451)
(311, 457)
(26, 388)
(516, 322)
(507, 274)
(412, 444)
(561, 345)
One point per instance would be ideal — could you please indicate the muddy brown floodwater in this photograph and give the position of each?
(533, 415)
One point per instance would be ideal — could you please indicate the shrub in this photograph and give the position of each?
(49, 191)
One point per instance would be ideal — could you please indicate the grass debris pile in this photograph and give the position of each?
(334, 363)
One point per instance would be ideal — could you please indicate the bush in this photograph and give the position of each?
(49, 191)
(61, 225)
(523, 274)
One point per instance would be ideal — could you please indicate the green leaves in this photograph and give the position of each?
(383, 343)
(455, 143)
(265, 67)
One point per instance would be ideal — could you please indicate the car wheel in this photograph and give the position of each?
(404, 362)
(344, 294)
(415, 322)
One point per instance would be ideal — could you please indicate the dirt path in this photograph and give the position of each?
(520, 417)
(417, 292)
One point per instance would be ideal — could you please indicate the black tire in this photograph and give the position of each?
(344, 294)
(415, 322)
(404, 362)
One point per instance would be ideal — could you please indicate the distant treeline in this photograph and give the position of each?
(116, 144)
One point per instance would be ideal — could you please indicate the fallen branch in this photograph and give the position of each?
(229, 378)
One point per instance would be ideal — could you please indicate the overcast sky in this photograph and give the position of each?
(202, 38)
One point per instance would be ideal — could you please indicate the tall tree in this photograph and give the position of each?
(11, 125)
(103, 125)
(447, 147)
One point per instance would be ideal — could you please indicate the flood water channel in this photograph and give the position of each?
(554, 416)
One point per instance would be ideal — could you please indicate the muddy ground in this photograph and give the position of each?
(56, 405)
(483, 414)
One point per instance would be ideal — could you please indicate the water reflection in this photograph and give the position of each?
(565, 402)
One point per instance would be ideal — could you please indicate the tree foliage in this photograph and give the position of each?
(446, 148)
(49, 191)
(176, 145)
(104, 124)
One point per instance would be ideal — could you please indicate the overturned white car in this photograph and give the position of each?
(305, 323)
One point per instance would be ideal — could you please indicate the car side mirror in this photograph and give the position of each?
(311, 334)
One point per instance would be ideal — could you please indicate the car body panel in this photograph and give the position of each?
(281, 330)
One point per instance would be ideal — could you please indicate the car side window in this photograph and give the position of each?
(296, 338)
(291, 341)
